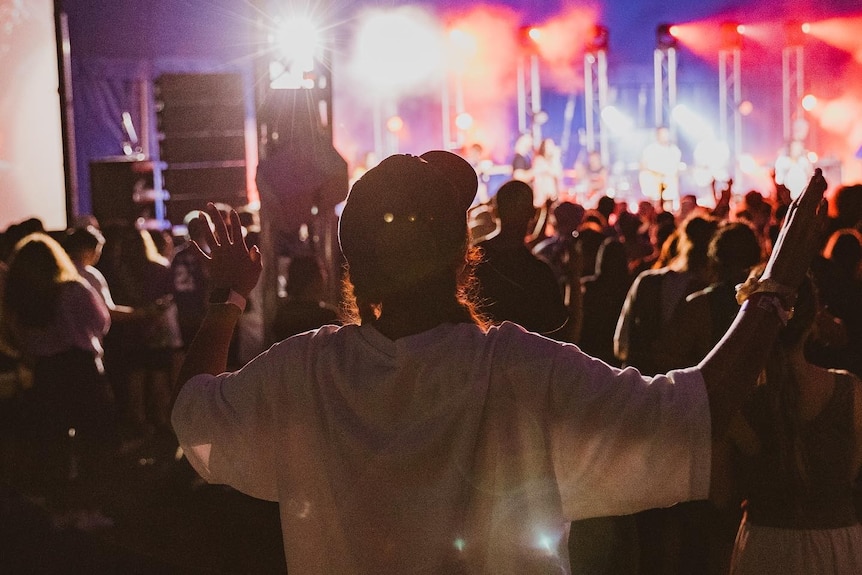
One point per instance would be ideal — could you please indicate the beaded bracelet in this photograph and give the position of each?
(769, 286)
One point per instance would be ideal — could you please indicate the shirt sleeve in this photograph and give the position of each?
(85, 310)
(226, 428)
(622, 443)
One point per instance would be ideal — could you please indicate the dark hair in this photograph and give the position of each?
(514, 201)
(83, 239)
(844, 247)
(37, 269)
(734, 248)
(454, 293)
(696, 233)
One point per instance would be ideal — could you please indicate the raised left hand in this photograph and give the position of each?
(230, 262)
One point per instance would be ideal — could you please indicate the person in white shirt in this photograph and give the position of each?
(659, 175)
(417, 440)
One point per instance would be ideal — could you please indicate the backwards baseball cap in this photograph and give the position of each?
(406, 219)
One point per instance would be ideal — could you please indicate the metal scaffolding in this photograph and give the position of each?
(595, 100)
(664, 70)
(792, 87)
(729, 98)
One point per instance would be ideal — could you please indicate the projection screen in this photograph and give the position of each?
(32, 176)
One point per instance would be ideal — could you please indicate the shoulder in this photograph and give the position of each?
(79, 296)
(76, 289)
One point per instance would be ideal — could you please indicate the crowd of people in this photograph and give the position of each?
(473, 407)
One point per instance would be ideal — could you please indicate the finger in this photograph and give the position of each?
(201, 253)
(221, 233)
(236, 228)
(254, 254)
(204, 232)
(815, 188)
(823, 215)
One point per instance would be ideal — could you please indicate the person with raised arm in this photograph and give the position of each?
(417, 439)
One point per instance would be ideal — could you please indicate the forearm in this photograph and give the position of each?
(208, 352)
(730, 370)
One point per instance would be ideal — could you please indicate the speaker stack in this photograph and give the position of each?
(201, 123)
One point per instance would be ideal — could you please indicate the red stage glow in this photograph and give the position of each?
(560, 54)
(701, 38)
(842, 33)
(488, 74)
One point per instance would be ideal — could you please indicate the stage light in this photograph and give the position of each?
(746, 107)
(616, 121)
(298, 39)
(464, 45)
(464, 121)
(795, 34)
(665, 36)
(296, 44)
(695, 127)
(599, 41)
(809, 101)
(731, 38)
(748, 164)
(535, 34)
(540, 118)
(740, 29)
(395, 124)
(806, 28)
(398, 51)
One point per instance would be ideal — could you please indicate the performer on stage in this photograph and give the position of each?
(659, 175)
(547, 173)
(592, 176)
(522, 162)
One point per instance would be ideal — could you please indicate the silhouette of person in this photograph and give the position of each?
(417, 439)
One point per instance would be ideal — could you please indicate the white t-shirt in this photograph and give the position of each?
(453, 450)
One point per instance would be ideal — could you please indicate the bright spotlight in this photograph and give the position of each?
(731, 37)
(748, 164)
(298, 39)
(535, 34)
(746, 107)
(806, 28)
(666, 36)
(740, 29)
(618, 123)
(395, 124)
(398, 50)
(463, 43)
(809, 101)
(464, 121)
(296, 43)
(692, 124)
(599, 40)
(795, 34)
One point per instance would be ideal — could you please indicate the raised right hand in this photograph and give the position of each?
(799, 238)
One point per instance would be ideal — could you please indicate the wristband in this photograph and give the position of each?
(768, 286)
(226, 296)
(771, 302)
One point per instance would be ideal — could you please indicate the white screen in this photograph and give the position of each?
(32, 182)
